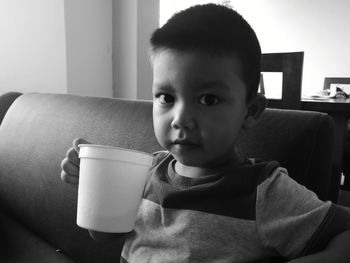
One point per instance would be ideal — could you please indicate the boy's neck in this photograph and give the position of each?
(195, 172)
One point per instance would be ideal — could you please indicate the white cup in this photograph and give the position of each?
(111, 184)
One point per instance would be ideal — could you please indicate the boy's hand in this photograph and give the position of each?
(70, 164)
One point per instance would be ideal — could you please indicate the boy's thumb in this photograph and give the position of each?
(78, 141)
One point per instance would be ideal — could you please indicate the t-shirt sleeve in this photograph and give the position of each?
(291, 219)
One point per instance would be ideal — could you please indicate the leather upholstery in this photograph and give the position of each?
(38, 211)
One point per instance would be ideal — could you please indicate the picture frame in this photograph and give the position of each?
(333, 82)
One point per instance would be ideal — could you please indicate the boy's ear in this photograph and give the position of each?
(255, 108)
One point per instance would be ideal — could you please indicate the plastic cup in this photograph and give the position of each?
(111, 184)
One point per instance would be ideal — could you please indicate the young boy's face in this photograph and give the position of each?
(199, 106)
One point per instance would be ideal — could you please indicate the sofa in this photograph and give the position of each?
(38, 210)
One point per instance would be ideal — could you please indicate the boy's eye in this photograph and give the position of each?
(166, 99)
(208, 100)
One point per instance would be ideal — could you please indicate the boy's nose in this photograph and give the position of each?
(183, 119)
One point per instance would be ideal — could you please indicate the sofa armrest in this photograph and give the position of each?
(6, 100)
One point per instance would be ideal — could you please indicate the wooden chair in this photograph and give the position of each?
(328, 81)
(291, 66)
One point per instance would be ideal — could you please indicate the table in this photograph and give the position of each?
(339, 110)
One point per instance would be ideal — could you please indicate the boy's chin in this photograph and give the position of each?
(193, 161)
(199, 161)
(188, 161)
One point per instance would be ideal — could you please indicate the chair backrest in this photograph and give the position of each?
(333, 80)
(291, 66)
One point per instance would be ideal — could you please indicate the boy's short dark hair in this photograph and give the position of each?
(215, 29)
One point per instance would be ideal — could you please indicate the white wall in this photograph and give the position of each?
(148, 14)
(32, 46)
(99, 47)
(56, 46)
(89, 47)
(84, 47)
(134, 20)
(320, 28)
(125, 48)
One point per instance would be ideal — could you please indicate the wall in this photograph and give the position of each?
(75, 47)
(88, 25)
(148, 14)
(317, 27)
(32, 46)
(125, 48)
(134, 20)
(85, 47)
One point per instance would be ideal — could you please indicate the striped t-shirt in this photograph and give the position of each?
(254, 212)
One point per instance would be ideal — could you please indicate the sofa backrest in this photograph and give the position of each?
(35, 134)
(39, 128)
(301, 141)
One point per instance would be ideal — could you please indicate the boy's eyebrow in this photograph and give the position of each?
(209, 85)
(214, 85)
(160, 87)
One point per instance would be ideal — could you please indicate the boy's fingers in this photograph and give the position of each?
(70, 164)
(69, 167)
(68, 178)
(72, 156)
(78, 141)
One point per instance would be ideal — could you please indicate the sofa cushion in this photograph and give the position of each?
(19, 244)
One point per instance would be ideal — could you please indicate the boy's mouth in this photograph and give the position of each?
(185, 144)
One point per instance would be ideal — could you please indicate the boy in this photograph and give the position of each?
(203, 202)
